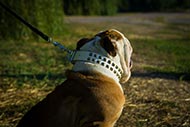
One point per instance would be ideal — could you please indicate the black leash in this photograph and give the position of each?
(35, 30)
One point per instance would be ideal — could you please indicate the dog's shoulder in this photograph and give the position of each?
(94, 77)
(96, 83)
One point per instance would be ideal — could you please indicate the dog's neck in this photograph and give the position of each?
(93, 64)
(94, 68)
(81, 66)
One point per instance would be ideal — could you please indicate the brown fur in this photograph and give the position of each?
(108, 39)
(111, 34)
(82, 42)
(83, 100)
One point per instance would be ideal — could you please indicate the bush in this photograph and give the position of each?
(45, 15)
(90, 7)
(154, 5)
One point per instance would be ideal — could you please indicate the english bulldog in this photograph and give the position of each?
(92, 95)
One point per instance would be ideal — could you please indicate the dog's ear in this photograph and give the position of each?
(108, 41)
(82, 42)
(108, 45)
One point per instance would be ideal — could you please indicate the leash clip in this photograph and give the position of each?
(70, 53)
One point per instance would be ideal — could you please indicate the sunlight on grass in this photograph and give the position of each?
(172, 55)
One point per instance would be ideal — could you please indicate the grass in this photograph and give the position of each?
(171, 55)
(157, 94)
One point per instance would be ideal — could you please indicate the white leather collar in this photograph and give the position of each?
(96, 62)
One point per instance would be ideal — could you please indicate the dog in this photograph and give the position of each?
(92, 95)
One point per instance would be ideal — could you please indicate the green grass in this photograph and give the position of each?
(169, 55)
(29, 70)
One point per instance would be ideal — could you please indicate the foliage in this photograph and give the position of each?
(154, 5)
(45, 15)
(110, 7)
(90, 7)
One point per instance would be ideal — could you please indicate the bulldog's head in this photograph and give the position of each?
(112, 44)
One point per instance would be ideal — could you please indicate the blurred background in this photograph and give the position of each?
(40, 12)
(158, 92)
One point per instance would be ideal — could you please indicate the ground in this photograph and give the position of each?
(157, 94)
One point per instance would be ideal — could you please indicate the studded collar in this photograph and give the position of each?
(95, 58)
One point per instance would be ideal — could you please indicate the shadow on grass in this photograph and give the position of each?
(35, 76)
(163, 75)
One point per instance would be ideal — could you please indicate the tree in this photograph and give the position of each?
(90, 7)
(123, 5)
(109, 7)
(43, 14)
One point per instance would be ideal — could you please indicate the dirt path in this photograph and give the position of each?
(137, 18)
(156, 102)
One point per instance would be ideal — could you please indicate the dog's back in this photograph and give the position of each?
(83, 100)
